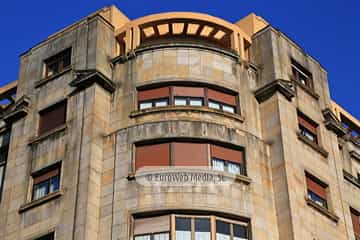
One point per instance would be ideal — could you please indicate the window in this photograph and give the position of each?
(352, 128)
(300, 74)
(49, 236)
(46, 182)
(308, 128)
(3, 159)
(355, 217)
(222, 101)
(316, 191)
(228, 160)
(158, 97)
(58, 63)
(189, 154)
(52, 117)
(152, 228)
(190, 227)
(187, 96)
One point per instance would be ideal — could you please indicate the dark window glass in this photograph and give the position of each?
(183, 224)
(46, 183)
(222, 227)
(202, 225)
(240, 231)
(301, 74)
(3, 159)
(58, 63)
(317, 199)
(52, 117)
(49, 236)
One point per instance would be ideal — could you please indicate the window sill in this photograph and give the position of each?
(350, 178)
(313, 145)
(186, 108)
(322, 210)
(48, 79)
(40, 201)
(307, 89)
(48, 134)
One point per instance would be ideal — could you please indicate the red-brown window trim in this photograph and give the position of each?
(171, 141)
(157, 154)
(215, 93)
(52, 117)
(317, 186)
(355, 218)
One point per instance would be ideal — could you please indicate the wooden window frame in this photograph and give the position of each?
(303, 121)
(321, 184)
(59, 58)
(42, 129)
(43, 172)
(297, 69)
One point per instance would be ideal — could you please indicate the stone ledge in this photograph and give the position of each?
(19, 110)
(332, 123)
(322, 210)
(350, 178)
(86, 78)
(40, 201)
(186, 108)
(48, 134)
(237, 177)
(308, 90)
(282, 86)
(313, 145)
(48, 79)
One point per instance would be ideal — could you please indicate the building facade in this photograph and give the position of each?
(175, 126)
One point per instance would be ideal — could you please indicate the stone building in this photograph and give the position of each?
(111, 117)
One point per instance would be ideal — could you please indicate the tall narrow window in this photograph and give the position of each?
(301, 74)
(52, 117)
(355, 217)
(202, 229)
(183, 228)
(58, 63)
(308, 128)
(227, 159)
(46, 182)
(223, 230)
(3, 159)
(316, 191)
(152, 228)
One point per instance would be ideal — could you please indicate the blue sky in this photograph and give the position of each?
(327, 30)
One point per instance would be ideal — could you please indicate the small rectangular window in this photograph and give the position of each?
(196, 102)
(161, 103)
(52, 117)
(49, 236)
(227, 159)
(214, 105)
(301, 74)
(58, 63)
(146, 105)
(180, 101)
(222, 101)
(316, 191)
(46, 183)
(308, 128)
